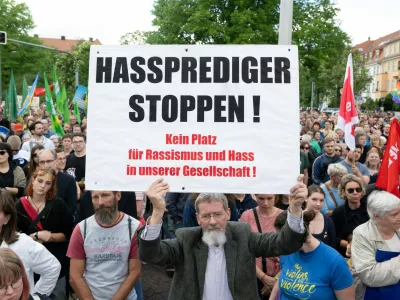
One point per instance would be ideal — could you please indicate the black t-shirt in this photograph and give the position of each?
(76, 166)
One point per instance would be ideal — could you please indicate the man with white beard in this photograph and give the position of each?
(217, 259)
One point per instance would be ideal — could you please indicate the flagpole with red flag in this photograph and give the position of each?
(388, 177)
(348, 116)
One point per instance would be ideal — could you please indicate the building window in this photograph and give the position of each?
(396, 47)
(377, 86)
(378, 69)
(370, 55)
(386, 51)
(376, 54)
(389, 67)
(394, 66)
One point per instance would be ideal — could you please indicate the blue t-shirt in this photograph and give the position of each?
(313, 275)
(329, 204)
(362, 168)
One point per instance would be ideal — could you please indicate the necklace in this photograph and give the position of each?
(37, 207)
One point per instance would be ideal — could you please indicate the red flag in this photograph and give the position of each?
(388, 177)
(348, 114)
(39, 91)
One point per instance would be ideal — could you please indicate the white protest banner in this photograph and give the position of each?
(205, 118)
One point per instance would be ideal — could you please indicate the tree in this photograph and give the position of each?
(66, 67)
(134, 38)
(331, 78)
(16, 20)
(316, 31)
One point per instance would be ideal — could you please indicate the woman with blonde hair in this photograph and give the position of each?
(352, 214)
(14, 284)
(373, 164)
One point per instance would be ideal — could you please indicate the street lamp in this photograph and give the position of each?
(53, 49)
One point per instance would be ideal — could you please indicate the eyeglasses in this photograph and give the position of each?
(351, 190)
(304, 148)
(216, 216)
(45, 162)
(77, 142)
(2, 152)
(15, 285)
(338, 150)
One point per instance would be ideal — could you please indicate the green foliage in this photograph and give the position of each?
(16, 20)
(323, 46)
(66, 67)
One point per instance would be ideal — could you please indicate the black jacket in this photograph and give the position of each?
(57, 220)
(345, 222)
(66, 189)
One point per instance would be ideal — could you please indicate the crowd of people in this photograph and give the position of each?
(332, 236)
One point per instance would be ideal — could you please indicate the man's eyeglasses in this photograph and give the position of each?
(207, 217)
(2, 152)
(351, 190)
(15, 285)
(304, 148)
(44, 162)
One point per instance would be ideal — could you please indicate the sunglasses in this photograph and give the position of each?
(351, 190)
(304, 148)
(2, 152)
(339, 150)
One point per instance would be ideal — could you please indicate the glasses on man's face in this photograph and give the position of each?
(351, 190)
(15, 285)
(207, 217)
(45, 162)
(2, 152)
(304, 148)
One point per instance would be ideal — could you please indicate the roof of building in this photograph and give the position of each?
(64, 44)
(378, 44)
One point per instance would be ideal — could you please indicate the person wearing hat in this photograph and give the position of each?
(20, 157)
(18, 129)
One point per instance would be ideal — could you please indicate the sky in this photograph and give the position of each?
(87, 18)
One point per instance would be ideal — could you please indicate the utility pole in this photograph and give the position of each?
(285, 22)
(312, 94)
(53, 49)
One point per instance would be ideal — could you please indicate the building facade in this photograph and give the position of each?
(382, 59)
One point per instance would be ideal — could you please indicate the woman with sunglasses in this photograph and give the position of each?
(47, 220)
(352, 214)
(33, 162)
(12, 177)
(36, 258)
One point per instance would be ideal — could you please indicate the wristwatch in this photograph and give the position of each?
(36, 236)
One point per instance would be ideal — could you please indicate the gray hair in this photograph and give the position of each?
(306, 138)
(208, 197)
(380, 203)
(336, 169)
(49, 150)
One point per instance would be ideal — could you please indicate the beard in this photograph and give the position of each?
(105, 215)
(214, 237)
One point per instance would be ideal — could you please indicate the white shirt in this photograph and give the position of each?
(393, 243)
(47, 144)
(216, 280)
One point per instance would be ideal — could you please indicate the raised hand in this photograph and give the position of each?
(156, 193)
(298, 195)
